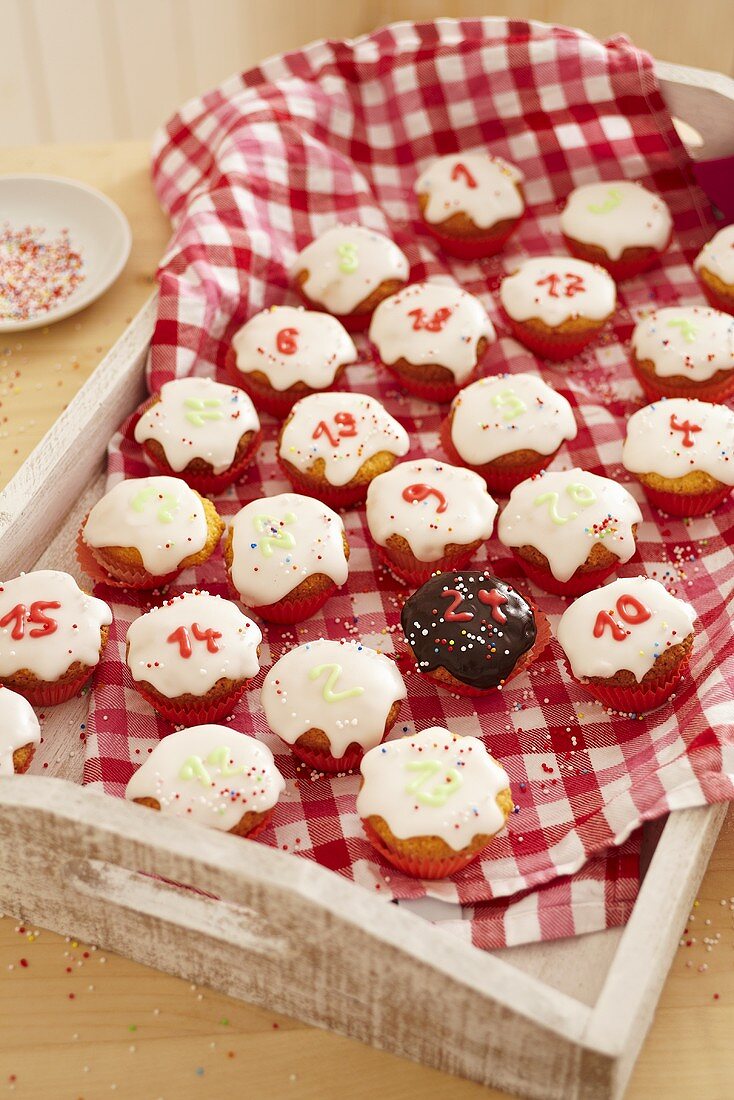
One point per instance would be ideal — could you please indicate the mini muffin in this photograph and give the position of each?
(556, 305)
(470, 202)
(683, 453)
(348, 271)
(145, 530)
(430, 804)
(427, 516)
(507, 428)
(20, 733)
(618, 224)
(51, 636)
(212, 775)
(192, 657)
(432, 338)
(283, 354)
(629, 642)
(714, 266)
(471, 632)
(333, 444)
(569, 529)
(201, 431)
(331, 701)
(685, 351)
(285, 555)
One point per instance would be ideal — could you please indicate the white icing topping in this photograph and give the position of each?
(160, 517)
(343, 429)
(343, 688)
(434, 784)
(44, 638)
(432, 323)
(615, 215)
(677, 436)
(557, 288)
(290, 345)
(627, 624)
(718, 256)
(563, 514)
(346, 264)
(198, 418)
(476, 184)
(509, 412)
(213, 775)
(279, 541)
(430, 504)
(18, 727)
(691, 341)
(189, 643)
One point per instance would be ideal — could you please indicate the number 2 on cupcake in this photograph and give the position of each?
(426, 770)
(346, 425)
(328, 694)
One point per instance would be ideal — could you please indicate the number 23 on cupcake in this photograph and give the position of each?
(346, 426)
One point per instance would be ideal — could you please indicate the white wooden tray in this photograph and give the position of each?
(555, 1021)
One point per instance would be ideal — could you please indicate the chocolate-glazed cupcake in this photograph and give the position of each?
(469, 631)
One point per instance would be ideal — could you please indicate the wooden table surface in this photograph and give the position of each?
(78, 1023)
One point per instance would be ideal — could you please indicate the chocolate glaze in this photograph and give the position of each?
(436, 627)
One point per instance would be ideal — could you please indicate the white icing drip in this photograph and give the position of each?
(427, 762)
(509, 412)
(242, 776)
(368, 430)
(346, 264)
(18, 727)
(160, 517)
(658, 440)
(717, 256)
(290, 345)
(588, 509)
(615, 215)
(46, 652)
(468, 510)
(296, 700)
(493, 198)
(691, 341)
(198, 418)
(669, 623)
(190, 664)
(279, 541)
(557, 288)
(445, 339)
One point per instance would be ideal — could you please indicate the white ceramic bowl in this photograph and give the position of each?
(97, 228)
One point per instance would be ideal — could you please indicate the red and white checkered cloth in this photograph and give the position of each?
(338, 132)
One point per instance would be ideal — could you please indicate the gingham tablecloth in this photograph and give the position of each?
(338, 132)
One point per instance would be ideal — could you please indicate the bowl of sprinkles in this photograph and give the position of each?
(62, 245)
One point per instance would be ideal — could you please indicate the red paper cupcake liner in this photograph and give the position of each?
(260, 827)
(656, 388)
(498, 480)
(210, 484)
(724, 302)
(557, 347)
(686, 504)
(336, 496)
(194, 714)
(420, 867)
(640, 698)
(325, 762)
(415, 572)
(472, 248)
(577, 585)
(44, 694)
(618, 269)
(125, 578)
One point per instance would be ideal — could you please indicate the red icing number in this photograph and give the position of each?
(419, 492)
(460, 171)
(451, 615)
(574, 284)
(346, 426)
(182, 637)
(493, 598)
(433, 324)
(686, 427)
(20, 615)
(629, 609)
(286, 342)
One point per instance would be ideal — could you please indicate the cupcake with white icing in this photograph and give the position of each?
(714, 266)
(432, 803)
(426, 516)
(192, 657)
(685, 351)
(347, 271)
(20, 733)
(332, 701)
(618, 224)
(201, 431)
(629, 642)
(284, 353)
(332, 445)
(506, 428)
(569, 529)
(285, 555)
(682, 452)
(432, 337)
(557, 305)
(212, 775)
(470, 202)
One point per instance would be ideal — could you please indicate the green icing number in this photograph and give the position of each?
(610, 203)
(167, 507)
(579, 494)
(329, 695)
(348, 262)
(201, 410)
(687, 329)
(426, 770)
(282, 540)
(508, 399)
(193, 767)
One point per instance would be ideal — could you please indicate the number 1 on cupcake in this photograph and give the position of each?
(461, 172)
